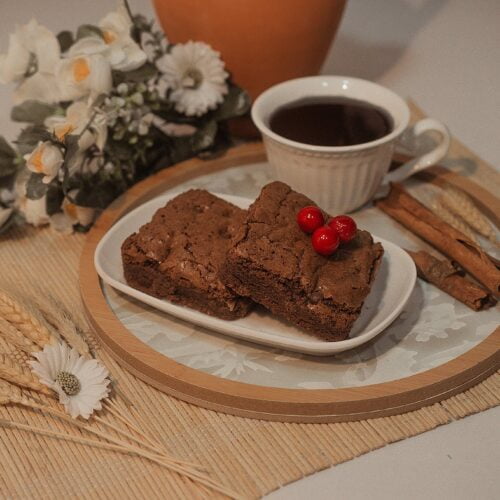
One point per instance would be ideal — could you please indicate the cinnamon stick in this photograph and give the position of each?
(444, 275)
(401, 206)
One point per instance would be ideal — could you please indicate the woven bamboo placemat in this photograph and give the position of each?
(253, 457)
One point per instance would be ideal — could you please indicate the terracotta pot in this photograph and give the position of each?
(263, 42)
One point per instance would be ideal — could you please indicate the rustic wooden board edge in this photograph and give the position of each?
(293, 405)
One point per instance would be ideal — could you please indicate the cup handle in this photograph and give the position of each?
(426, 160)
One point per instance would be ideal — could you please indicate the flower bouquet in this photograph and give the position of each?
(104, 108)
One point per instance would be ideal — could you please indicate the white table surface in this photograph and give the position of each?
(445, 54)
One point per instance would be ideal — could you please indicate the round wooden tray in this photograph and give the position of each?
(269, 403)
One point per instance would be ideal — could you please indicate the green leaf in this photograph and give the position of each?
(236, 103)
(10, 222)
(96, 196)
(65, 39)
(29, 138)
(8, 165)
(6, 150)
(86, 30)
(32, 112)
(35, 188)
(55, 197)
(145, 72)
(204, 137)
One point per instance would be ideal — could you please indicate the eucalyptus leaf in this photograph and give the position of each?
(8, 165)
(204, 137)
(32, 112)
(6, 150)
(65, 39)
(29, 138)
(55, 197)
(86, 30)
(8, 218)
(236, 103)
(96, 196)
(145, 72)
(35, 188)
(7, 169)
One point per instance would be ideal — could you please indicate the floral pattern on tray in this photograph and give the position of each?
(432, 329)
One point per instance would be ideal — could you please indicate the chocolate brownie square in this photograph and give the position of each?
(272, 262)
(178, 254)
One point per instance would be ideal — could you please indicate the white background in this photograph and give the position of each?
(445, 54)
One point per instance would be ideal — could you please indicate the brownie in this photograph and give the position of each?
(178, 254)
(272, 261)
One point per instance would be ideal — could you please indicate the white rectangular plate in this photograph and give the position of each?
(392, 287)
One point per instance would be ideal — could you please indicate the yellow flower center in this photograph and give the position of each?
(36, 159)
(81, 69)
(61, 131)
(109, 36)
(69, 383)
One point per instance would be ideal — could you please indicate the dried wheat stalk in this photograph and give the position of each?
(460, 204)
(10, 396)
(453, 220)
(116, 411)
(60, 319)
(15, 338)
(21, 376)
(26, 319)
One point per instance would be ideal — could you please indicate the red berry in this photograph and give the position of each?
(345, 227)
(310, 218)
(325, 240)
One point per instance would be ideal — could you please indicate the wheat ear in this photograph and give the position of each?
(26, 319)
(453, 220)
(462, 205)
(15, 338)
(21, 357)
(61, 320)
(21, 376)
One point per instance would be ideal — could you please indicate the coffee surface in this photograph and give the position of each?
(330, 121)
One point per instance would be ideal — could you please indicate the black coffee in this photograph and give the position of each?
(330, 121)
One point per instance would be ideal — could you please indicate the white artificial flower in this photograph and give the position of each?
(76, 213)
(45, 159)
(30, 44)
(122, 52)
(82, 76)
(195, 74)
(42, 87)
(14, 64)
(81, 383)
(78, 116)
(34, 211)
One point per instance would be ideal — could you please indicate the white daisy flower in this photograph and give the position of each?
(195, 74)
(81, 383)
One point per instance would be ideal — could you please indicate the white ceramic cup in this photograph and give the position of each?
(342, 179)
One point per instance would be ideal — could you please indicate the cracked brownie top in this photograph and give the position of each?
(188, 238)
(272, 240)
